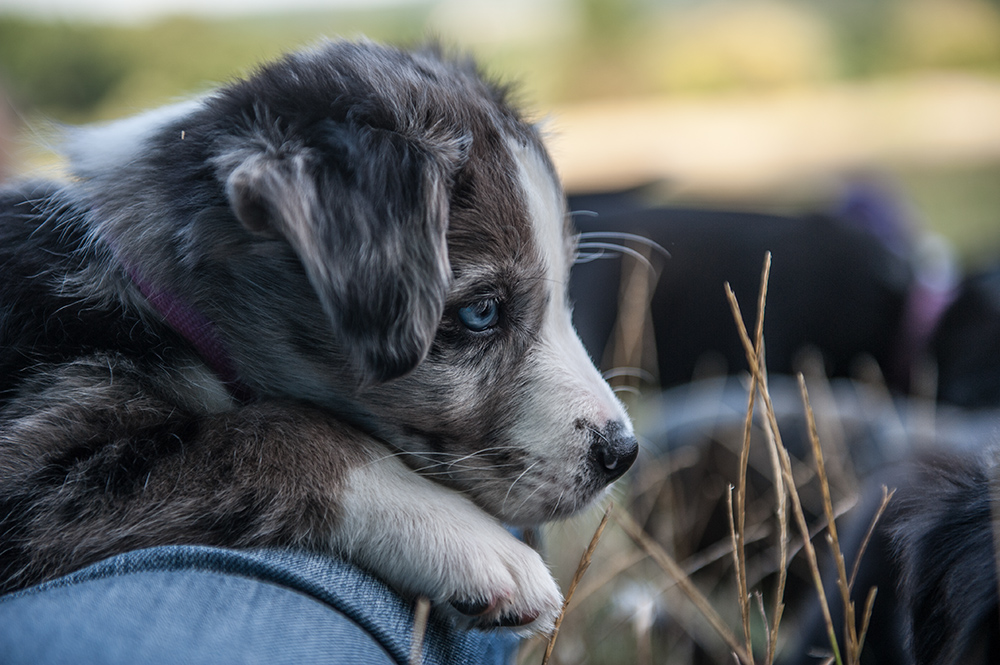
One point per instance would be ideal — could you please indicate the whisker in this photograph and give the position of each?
(447, 469)
(622, 249)
(587, 236)
(470, 479)
(527, 498)
(511, 488)
(636, 372)
(587, 258)
(447, 465)
(429, 453)
(599, 434)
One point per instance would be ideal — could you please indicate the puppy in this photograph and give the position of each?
(943, 532)
(932, 557)
(323, 307)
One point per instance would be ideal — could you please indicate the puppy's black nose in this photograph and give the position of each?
(612, 451)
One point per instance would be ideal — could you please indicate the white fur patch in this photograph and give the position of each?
(99, 149)
(423, 538)
(573, 371)
(572, 400)
(567, 354)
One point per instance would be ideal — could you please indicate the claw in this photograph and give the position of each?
(472, 608)
(513, 620)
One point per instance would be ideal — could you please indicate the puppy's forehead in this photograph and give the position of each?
(545, 208)
(508, 212)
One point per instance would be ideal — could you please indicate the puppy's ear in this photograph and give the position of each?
(367, 215)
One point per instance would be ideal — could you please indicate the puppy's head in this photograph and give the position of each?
(508, 407)
(337, 161)
(429, 223)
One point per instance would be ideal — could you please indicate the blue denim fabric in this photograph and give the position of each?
(190, 604)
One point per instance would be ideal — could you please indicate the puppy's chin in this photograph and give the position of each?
(561, 509)
(564, 503)
(553, 489)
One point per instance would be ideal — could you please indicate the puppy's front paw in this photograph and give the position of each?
(427, 540)
(500, 582)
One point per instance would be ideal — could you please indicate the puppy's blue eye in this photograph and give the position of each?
(480, 316)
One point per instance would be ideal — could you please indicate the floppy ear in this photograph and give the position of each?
(367, 215)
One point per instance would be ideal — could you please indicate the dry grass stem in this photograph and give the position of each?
(739, 565)
(852, 640)
(421, 612)
(580, 570)
(752, 518)
(786, 472)
(739, 532)
(674, 570)
(755, 353)
(866, 619)
(769, 654)
(850, 629)
(739, 544)
(886, 497)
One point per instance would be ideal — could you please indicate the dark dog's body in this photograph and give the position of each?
(933, 560)
(942, 535)
(246, 312)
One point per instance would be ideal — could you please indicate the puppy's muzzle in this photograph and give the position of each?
(612, 451)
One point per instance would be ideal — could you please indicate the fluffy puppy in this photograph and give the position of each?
(944, 530)
(322, 307)
(933, 559)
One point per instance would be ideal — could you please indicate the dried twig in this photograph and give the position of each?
(739, 540)
(754, 354)
(852, 640)
(420, 615)
(786, 472)
(580, 570)
(886, 497)
(850, 627)
(674, 570)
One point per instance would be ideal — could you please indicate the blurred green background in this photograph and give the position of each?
(764, 104)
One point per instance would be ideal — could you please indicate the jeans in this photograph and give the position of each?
(192, 604)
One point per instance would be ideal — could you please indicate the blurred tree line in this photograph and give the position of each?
(79, 71)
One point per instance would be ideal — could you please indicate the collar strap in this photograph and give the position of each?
(197, 329)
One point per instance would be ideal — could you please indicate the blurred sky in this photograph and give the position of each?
(140, 10)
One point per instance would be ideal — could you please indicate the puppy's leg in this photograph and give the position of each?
(95, 461)
(429, 540)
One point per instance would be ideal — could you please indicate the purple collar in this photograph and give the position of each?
(197, 329)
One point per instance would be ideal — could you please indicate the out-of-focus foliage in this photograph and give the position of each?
(944, 33)
(722, 46)
(66, 70)
(562, 49)
(79, 71)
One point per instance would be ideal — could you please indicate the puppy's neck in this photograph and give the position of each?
(197, 329)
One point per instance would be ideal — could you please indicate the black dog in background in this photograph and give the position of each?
(934, 557)
(836, 286)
